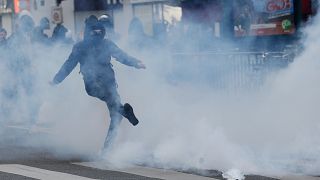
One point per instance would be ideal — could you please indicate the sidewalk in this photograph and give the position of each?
(144, 171)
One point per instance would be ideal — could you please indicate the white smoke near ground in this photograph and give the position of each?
(68, 122)
(74, 119)
(184, 125)
(273, 131)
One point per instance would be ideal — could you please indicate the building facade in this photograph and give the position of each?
(152, 13)
(38, 9)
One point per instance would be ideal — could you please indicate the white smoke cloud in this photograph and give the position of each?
(271, 131)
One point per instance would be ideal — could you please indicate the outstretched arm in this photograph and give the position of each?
(68, 66)
(123, 57)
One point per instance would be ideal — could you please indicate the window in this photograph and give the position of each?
(3, 4)
(150, 14)
(97, 5)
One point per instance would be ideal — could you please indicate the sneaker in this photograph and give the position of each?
(128, 113)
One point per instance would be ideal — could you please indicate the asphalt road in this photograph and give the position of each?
(18, 161)
(21, 162)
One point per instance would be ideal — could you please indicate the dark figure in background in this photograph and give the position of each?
(39, 35)
(94, 55)
(3, 37)
(19, 64)
(59, 35)
(24, 29)
(137, 37)
(19, 45)
(160, 33)
(244, 15)
(3, 58)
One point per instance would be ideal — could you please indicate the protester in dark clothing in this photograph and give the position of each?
(23, 33)
(3, 37)
(4, 107)
(94, 55)
(19, 65)
(20, 44)
(244, 12)
(160, 32)
(90, 22)
(39, 35)
(137, 37)
(59, 35)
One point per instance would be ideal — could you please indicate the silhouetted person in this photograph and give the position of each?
(39, 35)
(137, 37)
(244, 15)
(59, 35)
(19, 64)
(3, 37)
(94, 55)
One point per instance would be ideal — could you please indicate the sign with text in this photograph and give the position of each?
(263, 17)
(56, 15)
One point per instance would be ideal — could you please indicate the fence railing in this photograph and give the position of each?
(232, 70)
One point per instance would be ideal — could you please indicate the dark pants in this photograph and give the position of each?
(107, 91)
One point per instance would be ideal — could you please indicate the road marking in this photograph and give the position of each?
(33, 129)
(144, 171)
(38, 173)
(300, 177)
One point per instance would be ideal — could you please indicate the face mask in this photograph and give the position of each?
(97, 35)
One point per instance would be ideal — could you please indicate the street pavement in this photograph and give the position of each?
(19, 162)
(26, 162)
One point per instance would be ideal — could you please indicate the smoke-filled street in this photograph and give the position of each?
(25, 162)
(159, 89)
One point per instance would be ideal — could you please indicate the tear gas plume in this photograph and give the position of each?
(269, 130)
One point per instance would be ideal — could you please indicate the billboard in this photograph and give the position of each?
(263, 17)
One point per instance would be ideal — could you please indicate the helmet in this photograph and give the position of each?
(25, 22)
(91, 20)
(106, 21)
(59, 32)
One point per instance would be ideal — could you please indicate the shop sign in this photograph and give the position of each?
(263, 17)
(56, 15)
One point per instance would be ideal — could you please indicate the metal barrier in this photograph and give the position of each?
(231, 70)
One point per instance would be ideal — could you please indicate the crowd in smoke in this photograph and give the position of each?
(183, 125)
(266, 131)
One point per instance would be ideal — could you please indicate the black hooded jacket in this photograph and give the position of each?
(94, 55)
(94, 58)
